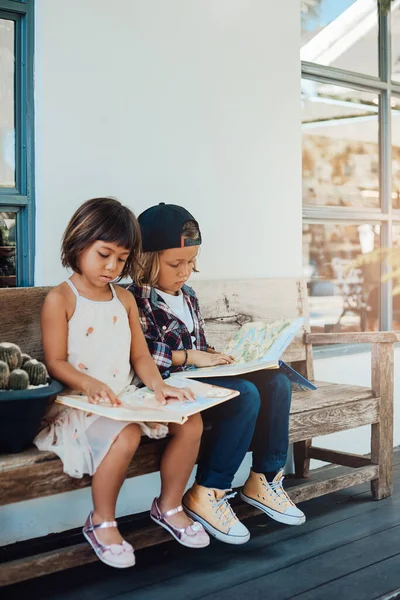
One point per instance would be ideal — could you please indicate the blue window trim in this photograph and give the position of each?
(21, 199)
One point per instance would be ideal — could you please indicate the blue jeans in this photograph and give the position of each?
(258, 419)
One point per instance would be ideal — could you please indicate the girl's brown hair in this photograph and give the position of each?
(104, 219)
(148, 267)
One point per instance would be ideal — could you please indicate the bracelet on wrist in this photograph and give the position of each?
(186, 358)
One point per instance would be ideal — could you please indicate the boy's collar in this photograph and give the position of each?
(147, 291)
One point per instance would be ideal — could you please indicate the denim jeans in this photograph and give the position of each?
(258, 420)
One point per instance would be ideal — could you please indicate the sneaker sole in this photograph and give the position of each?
(222, 537)
(175, 536)
(274, 514)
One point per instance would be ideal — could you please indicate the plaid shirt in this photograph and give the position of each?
(163, 330)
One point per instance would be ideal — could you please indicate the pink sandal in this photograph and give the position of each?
(192, 536)
(120, 556)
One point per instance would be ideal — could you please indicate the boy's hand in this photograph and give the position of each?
(97, 391)
(163, 392)
(208, 359)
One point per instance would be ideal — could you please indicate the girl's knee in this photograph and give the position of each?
(129, 438)
(192, 429)
(194, 426)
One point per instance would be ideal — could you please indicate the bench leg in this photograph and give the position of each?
(301, 461)
(382, 432)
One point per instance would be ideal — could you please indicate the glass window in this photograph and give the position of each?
(396, 151)
(341, 296)
(7, 249)
(396, 277)
(340, 33)
(7, 124)
(395, 29)
(340, 146)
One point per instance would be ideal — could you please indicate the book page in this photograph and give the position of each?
(141, 405)
(262, 340)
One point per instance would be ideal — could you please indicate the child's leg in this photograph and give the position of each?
(264, 488)
(177, 463)
(108, 479)
(271, 435)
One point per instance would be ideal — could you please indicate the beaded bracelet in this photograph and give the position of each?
(186, 358)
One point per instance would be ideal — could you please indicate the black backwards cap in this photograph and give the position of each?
(161, 227)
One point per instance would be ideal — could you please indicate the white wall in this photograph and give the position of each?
(194, 102)
(186, 101)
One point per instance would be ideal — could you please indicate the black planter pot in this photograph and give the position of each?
(21, 413)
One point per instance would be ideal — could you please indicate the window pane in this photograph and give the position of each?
(341, 296)
(7, 249)
(396, 151)
(340, 146)
(395, 29)
(7, 124)
(396, 278)
(340, 33)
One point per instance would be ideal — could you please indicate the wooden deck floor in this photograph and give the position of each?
(349, 549)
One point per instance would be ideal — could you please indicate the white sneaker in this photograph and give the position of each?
(271, 498)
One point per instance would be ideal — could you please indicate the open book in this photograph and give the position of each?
(140, 405)
(256, 346)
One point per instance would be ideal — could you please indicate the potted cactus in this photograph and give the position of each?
(25, 392)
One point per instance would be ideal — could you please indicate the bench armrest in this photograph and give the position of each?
(358, 337)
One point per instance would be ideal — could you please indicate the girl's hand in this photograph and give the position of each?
(208, 359)
(163, 392)
(97, 391)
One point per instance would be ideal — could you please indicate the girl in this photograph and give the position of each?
(173, 327)
(92, 339)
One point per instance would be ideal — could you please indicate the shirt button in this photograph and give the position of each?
(164, 327)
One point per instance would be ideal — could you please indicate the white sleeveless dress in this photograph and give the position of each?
(99, 341)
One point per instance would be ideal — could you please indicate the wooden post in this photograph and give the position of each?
(382, 432)
(301, 460)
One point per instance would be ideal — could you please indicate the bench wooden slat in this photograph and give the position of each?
(328, 394)
(43, 475)
(20, 318)
(332, 419)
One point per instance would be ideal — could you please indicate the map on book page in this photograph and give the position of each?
(257, 345)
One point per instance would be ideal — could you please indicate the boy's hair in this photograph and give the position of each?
(104, 219)
(148, 267)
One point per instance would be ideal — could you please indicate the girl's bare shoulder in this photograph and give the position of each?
(60, 297)
(125, 297)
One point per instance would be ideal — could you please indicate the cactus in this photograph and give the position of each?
(19, 380)
(37, 372)
(25, 357)
(4, 375)
(11, 354)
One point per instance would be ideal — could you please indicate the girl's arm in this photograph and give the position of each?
(54, 324)
(142, 362)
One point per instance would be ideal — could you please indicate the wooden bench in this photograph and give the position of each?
(225, 305)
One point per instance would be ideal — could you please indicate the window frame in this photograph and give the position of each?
(20, 199)
(385, 215)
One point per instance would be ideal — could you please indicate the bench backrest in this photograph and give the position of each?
(225, 305)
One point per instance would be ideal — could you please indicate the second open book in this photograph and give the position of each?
(256, 346)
